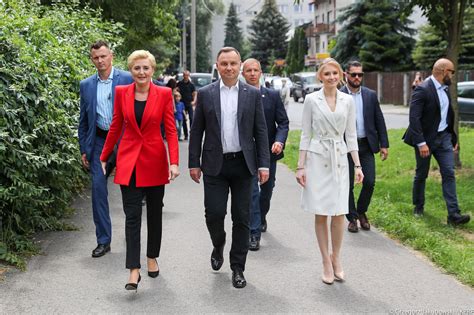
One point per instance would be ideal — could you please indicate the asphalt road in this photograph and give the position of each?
(283, 277)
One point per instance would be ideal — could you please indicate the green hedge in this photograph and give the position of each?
(43, 56)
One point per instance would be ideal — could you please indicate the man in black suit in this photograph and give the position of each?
(371, 138)
(229, 114)
(277, 128)
(431, 132)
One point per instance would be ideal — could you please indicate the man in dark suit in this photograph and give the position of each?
(229, 114)
(277, 128)
(371, 138)
(97, 99)
(431, 132)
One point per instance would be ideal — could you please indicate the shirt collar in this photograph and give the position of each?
(354, 93)
(438, 85)
(221, 85)
(110, 78)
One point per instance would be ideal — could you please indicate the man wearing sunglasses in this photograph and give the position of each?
(371, 138)
(431, 132)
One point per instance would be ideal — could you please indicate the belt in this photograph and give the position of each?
(361, 139)
(233, 155)
(101, 132)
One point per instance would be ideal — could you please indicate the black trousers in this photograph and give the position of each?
(234, 176)
(189, 109)
(367, 161)
(132, 197)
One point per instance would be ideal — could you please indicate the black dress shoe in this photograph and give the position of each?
(154, 274)
(263, 227)
(133, 286)
(238, 279)
(217, 257)
(352, 227)
(364, 222)
(457, 219)
(418, 212)
(254, 243)
(101, 250)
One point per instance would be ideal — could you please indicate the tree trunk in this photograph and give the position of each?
(454, 9)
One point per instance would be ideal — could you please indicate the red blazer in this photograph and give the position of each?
(142, 148)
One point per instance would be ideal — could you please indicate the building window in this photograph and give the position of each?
(283, 8)
(329, 17)
(322, 18)
(250, 13)
(298, 8)
(311, 7)
(237, 8)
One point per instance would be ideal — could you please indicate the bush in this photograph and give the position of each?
(43, 55)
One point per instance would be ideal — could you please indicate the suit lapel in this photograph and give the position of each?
(242, 101)
(216, 101)
(94, 98)
(150, 105)
(324, 107)
(115, 82)
(365, 105)
(435, 93)
(130, 105)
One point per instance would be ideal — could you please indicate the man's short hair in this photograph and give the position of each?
(100, 43)
(226, 50)
(251, 60)
(353, 63)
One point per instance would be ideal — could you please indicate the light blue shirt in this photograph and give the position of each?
(105, 108)
(443, 102)
(359, 104)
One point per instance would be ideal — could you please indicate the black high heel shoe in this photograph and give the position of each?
(133, 286)
(154, 274)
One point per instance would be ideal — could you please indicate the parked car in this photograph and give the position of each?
(303, 84)
(466, 101)
(199, 79)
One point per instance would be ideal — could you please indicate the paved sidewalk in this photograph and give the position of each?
(283, 277)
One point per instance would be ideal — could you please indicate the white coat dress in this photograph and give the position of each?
(327, 175)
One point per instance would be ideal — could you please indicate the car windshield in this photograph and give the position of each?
(310, 79)
(201, 80)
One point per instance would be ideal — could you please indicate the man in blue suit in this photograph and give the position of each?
(371, 138)
(277, 129)
(97, 100)
(431, 133)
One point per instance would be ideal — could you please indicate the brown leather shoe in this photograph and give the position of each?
(364, 222)
(352, 227)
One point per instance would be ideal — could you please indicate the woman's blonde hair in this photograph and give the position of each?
(141, 54)
(333, 62)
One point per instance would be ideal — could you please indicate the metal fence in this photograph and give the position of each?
(395, 87)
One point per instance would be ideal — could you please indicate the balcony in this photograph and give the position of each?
(320, 28)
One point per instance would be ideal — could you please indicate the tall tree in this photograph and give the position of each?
(431, 45)
(447, 16)
(297, 49)
(233, 32)
(268, 34)
(376, 32)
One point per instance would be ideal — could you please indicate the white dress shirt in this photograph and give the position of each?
(359, 103)
(229, 127)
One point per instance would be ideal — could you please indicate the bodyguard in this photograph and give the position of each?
(97, 99)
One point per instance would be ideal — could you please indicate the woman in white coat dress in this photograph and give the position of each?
(328, 133)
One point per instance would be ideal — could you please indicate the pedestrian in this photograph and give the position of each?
(371, 138)
(431, 133)
(97, 94)
(188, 94)
(418, 80)
(142, 162)
(179, 113)
(328, 133)
(285, 94)
(277, 130)
(172, 84)
(229, 114)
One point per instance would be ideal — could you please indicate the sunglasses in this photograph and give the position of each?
(356, 74)
(451, 70)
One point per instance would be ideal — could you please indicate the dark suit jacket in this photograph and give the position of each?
(88, 113)
(207, 121)
(276, 119)
(374, 123)
(425, 116)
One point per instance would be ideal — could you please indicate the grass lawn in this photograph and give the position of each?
(391, 209)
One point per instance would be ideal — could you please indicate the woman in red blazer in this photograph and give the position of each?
(142, 162)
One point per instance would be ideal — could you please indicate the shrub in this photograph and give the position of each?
(43, 55)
